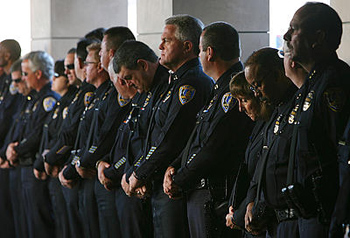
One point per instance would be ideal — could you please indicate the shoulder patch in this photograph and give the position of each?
(88, 98)
(13, 89)
(122, 102)
(227, 102)
(335, 98)
(49, 103)
(186, 93)
(65, 113)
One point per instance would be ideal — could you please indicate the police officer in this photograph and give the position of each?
(211, 158)
(265, 73)
(52, 127)
(10, 51)
(12, 135)
(109, 116)
(137, 64)
(60, 151)
(97, 76)
(37, 70)
(134, 214)
(173, 120)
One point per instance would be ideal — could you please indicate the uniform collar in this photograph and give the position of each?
(186, 66)
(226, 77)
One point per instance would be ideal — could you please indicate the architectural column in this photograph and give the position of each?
(57, 25)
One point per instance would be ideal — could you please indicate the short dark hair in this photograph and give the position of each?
(320, 16)
(223, 38)
(13, 47)
(59, 68)
(117, 35)
(188, 28)
(131, 51)
(240, 87)
(72, 51)
(16, 66)
(96, 34)
(81, 47)
(264, 62)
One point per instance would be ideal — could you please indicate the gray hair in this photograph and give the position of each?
(40, 60)
(188, 28)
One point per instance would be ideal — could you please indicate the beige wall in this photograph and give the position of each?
(249, 17)
(343, 8)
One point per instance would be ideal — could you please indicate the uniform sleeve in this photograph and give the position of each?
(173, 136)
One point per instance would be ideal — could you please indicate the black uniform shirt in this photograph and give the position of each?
(60, 152)
(30, 140)
(221, 135)
(174, 118)
(52, 126)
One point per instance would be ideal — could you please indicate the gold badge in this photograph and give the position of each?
(308, 100)
(186, 93)
(65, 113)
(55, 114)
(293, 114)
(277, 124)
(149, 95)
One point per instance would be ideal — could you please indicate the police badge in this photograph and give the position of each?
(65, 113)
(308, 99)
(186, 93)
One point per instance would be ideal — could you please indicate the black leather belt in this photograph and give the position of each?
(285, 214)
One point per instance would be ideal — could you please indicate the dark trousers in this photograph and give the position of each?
(59, 208)
(72, 204)
(134, 215)
(16, 202)
(203, 222)
(7, 225)
(88, 208)
(37, 205)
(107, 213)
(302, 228)
(169, 216)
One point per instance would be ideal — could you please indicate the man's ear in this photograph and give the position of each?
(143, 64)
(187, 46)
(111, 53)
(38, 73)
(210, 53)
(320, 38)
(99, 67)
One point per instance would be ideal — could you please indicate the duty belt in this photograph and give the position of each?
(285, 214)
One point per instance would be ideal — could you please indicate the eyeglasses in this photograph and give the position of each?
(17, 80)
(69, 66)
(25, 74)
(89, 62)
